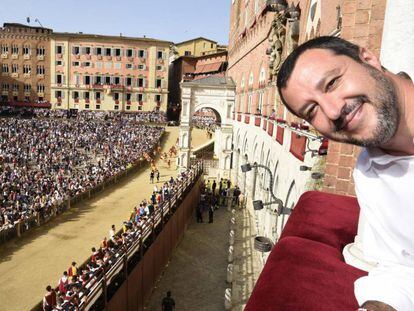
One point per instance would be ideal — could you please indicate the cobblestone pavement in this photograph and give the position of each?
(196, 273)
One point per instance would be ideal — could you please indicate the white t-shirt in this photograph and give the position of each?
(385, 190)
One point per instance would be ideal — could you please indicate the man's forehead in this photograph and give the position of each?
(315, 63)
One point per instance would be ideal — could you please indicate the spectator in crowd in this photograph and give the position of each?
(236, 194)
(63, 283)
(213, 187)
(168, 303)
(72, 270)
(211, 210)
(49, 300)
(112, 232)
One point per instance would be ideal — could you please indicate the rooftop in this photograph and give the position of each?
(81, 35)
(195, 39)
(213, 80)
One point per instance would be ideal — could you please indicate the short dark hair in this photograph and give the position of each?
(337, 45)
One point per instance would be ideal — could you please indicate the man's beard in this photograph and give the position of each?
(384, 102)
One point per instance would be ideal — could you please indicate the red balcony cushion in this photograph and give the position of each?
(324, 217)
(305, 275)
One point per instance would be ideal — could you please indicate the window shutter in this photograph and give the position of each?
(63, 94)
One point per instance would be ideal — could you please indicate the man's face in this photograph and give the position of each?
(344, 100)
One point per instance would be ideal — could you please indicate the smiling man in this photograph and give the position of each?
(345, 93)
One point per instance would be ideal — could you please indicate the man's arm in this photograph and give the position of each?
(377, 306)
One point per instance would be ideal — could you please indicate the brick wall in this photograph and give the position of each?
(362, 23)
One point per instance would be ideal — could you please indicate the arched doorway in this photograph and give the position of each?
(208, 103)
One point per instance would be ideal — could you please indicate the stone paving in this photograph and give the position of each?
(196, 273)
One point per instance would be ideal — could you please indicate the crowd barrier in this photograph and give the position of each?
(45, 215)
(128, 282)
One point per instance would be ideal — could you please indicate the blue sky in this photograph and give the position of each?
(171, 20)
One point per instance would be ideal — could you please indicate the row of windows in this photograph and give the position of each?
(5, 98)
(27, 69)
(108, 65)
(109, 80)
(262, 78)
(106, 51)
(116, 107)
(76, 95)
(26, 49)
(242, 102)
(26, 87)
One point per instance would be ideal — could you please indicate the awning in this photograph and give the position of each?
(199, 69)
(208, 68)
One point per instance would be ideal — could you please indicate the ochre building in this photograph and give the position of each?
(96, 72)
(25, 65)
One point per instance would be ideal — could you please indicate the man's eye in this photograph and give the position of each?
(310, 113)
(331, 84)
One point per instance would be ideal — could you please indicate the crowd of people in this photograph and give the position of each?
(76, 282)
(205, 122)
(217, 194)
(47, 159)
(157, 117)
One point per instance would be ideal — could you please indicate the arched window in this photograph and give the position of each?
(262, 76)
(251, 79)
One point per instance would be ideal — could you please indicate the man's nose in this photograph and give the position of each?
(332, 106)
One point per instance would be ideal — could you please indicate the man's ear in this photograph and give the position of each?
(369, 58)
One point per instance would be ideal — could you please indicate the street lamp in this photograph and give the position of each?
(258, 204)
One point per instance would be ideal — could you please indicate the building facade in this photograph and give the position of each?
(94, 72)
(198, 47)
(188, 68)
(262, 34)
(25, 65)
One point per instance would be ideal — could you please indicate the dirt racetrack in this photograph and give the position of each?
(29, 264)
